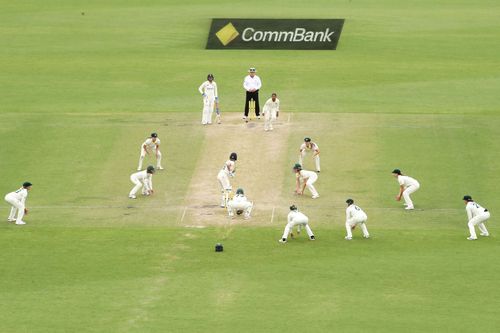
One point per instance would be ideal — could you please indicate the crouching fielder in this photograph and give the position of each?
(240, 205)
(477, 215)
(151, 144)
(307, 146)
(227, 171)
(296, 218)
(142, 179)
(355, 216)
(307, 178)
(17, 200)
(407, 186)
(271, 111)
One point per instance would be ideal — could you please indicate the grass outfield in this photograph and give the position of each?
(412, 85)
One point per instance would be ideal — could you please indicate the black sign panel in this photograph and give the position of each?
(285, 34)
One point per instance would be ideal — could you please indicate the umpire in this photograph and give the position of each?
(252, 85)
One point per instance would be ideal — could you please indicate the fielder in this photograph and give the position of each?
(227, 171)
(151, 144)
(142, 179)
(296, 218)
(308, 178)
(407, 186)
(240, 205)
(271, 111)
(17, 200)
(477, 215)
(208, 91)
(307, 146)
(354, 216)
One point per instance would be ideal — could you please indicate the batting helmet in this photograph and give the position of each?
(396, 171)
(293, 207)
(307, 139)
(210, 77)
(150, 169)
(349, 201)
(297, 166)
(154, 135)
(233, 157)
(467, 198)
(240, 191)
(239, 212)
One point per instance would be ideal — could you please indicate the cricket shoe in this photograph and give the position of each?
(366, 236)
(315, 196)
(20, 222)
(484, 234)
(347, 238)
(312, 237)
(160, 168)
(318, 171)
(271, 129)
(139, 169)
(265, 129)
(409, 208)
(471, 238)
(283, 240)
(132, 197)
(258, 117)
(11, 220)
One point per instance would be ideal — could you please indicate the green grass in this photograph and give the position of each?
(412, 85)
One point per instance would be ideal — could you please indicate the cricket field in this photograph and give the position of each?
(413, 85)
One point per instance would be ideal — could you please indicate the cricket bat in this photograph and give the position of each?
(217, 113)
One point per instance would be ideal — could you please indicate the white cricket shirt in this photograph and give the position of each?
(314, 147)
(354, 211)
(150, 144)
(296, 216)
(407, 181)
(19, 195)
(474, 209)
(272, 106)
(209, 89)
(145, 177)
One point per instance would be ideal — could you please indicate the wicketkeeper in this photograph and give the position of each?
(239, 205)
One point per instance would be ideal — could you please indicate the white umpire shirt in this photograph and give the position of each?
(252, 83)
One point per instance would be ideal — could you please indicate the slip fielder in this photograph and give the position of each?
(208, 91)
(239, 205)
(355, 216)
(271, 112)
(307, 178)
(142, 179)
(227, 171)
(296, 218)
(151, 144)
(476, 215)
(17, 200)
(407, 186)
(309, 146)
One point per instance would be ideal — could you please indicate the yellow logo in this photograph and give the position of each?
(227, 34)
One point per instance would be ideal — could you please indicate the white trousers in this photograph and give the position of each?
(208, 109)
(406, 194)
(226, 188)
(479, 221)
(316, 160)
(310, 181)
(299, 222)
(361, 220)
(143, 154)
(269, 118)
(17, 207)
(233, 206)
(138, 185)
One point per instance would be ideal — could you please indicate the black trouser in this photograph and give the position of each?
(255, 96)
